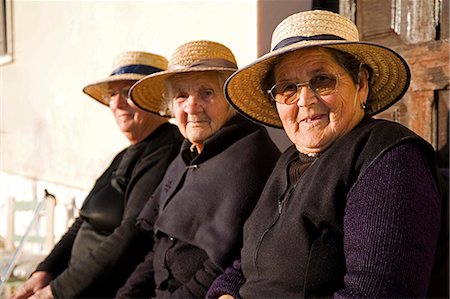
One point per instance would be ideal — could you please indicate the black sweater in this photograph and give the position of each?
(96, 255)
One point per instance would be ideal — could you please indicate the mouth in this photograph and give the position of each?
(311, 119)
(197, 122)
(125, 115)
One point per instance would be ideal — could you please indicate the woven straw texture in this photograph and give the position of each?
(315, 23)
(100, 89)
(195, 56)
(389, 82)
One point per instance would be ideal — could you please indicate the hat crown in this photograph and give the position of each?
(315, 23)
(202, 53)
(140, 58)
(128, 66)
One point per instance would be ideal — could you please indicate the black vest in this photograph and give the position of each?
(312, 230)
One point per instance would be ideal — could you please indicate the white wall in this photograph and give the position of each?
(52, 136)
(49, 129)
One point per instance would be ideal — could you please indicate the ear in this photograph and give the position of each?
(363, 85)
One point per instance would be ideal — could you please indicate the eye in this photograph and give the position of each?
(113, 92)
(323, 82)
(207, 93)
(180, 97)
(124, 91)
(285, 88)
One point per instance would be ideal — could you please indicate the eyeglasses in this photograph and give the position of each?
(286, 92)
(123, 92)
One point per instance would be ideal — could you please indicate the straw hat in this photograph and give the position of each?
(195, 56)
(132, 66)
(389, 81)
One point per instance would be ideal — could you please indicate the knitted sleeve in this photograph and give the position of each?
(141, 283)
(391, 227)
(227, 283)
(197, 286)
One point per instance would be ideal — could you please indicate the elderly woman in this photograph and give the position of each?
(208, 191)
(100, 250)
(352, 209)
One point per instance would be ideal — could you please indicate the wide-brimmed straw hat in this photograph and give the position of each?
(388, 83)
(127, 66)
(195, 56)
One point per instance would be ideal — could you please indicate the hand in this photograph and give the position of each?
(226, 296)
(44, 293)
(37, 281)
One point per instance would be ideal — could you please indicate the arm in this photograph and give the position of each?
(198, 285)
(391, 227)
(227, 285)
(82, 273)
(58, 259)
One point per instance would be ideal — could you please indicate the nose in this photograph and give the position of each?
(192, 105)
(306, 97)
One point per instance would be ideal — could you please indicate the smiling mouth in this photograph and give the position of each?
(312, 118)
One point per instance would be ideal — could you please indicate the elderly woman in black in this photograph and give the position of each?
(100, 250)
(198, 210)
(352, 209)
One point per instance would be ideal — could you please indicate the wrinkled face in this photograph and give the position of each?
(132, 121)
(313, 122)
(199, 105)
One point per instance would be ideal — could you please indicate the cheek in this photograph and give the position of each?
(140, 115)
(341, 110)
(217, 113)
(287, 113)
(178, 113)
(180, 118)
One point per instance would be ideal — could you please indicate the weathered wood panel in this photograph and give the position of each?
(419, 31)
(444, 21)
(416, 111)
(429, 63)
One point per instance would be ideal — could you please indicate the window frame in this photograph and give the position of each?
(7, 57)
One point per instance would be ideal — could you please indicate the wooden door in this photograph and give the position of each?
(419, 31)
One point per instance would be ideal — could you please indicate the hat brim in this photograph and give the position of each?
(148, 93)
(389, 82)
(99, 90)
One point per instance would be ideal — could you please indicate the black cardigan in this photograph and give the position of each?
(100, 250)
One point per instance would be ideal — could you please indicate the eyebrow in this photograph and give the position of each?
(320, 69)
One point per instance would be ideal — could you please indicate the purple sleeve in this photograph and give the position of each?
(391, 227)
(227, 283)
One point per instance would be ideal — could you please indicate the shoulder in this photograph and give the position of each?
(166, 134)
(390, 136)
(372, 138)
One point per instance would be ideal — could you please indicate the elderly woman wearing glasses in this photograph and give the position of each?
(353, 208)
(197, 212)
